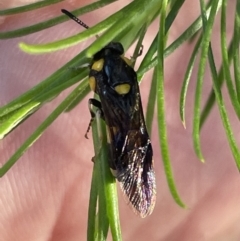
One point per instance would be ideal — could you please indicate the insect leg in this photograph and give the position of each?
(134, 57)
(139, 53)
(97, 104)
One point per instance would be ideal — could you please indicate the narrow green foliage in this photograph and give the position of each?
(151, 102)
(39, 131)
(211, 99)
(49, 23)
(162, 130)
(236, 40)
(92, 208)
(128, 26)
(153, 47)
(29, 7)
(106, 191)
(222, 110)
(226, 70)
(207, 27)
(186, 35)
(186, 81)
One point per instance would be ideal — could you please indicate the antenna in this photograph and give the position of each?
(70, 15)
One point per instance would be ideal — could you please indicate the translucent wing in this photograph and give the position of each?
(135, 173)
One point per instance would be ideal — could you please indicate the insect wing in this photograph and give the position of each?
(136, 176)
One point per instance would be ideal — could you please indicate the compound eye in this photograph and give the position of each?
(98, 65)
(92, 83)
(122, 89)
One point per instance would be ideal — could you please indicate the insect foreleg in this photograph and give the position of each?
(94, 103)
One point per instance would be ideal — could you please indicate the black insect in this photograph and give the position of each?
(130, 151)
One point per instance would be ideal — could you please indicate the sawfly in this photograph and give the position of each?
(130, 151)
